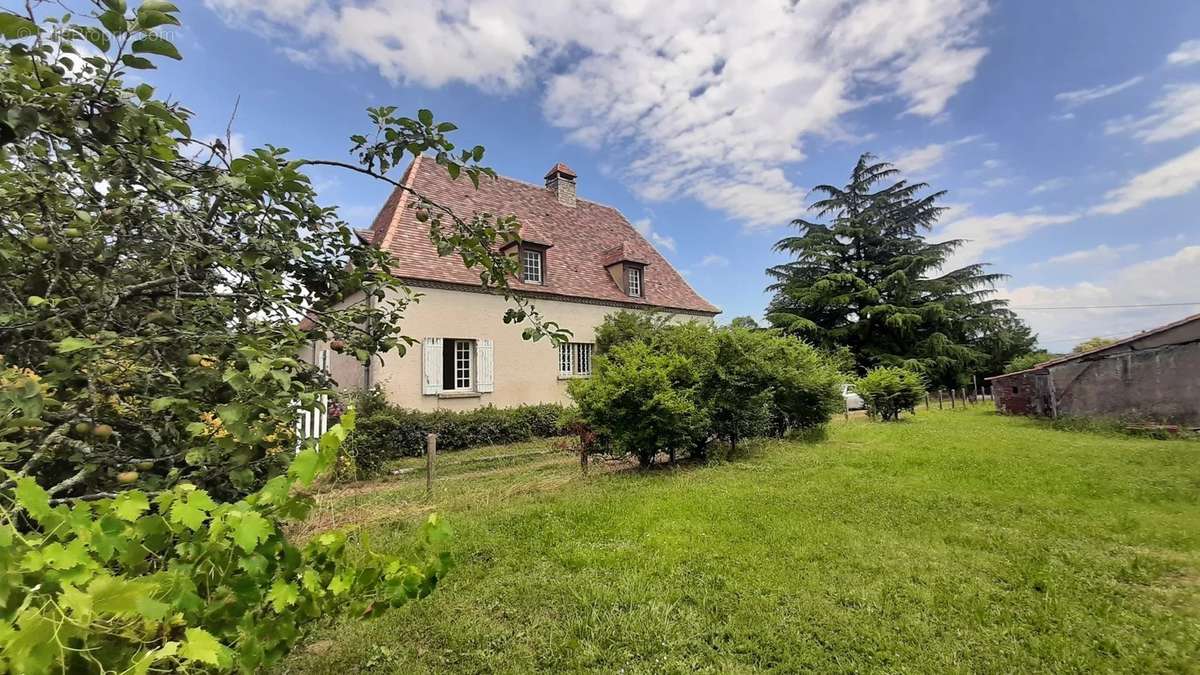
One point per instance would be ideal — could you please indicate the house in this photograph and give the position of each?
(580, 261)
(1152, 377)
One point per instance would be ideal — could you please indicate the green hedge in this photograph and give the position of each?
(391, 433)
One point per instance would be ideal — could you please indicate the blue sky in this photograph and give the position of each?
(1067, 132)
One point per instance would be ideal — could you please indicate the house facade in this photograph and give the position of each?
(580, 261)
(1152, 377)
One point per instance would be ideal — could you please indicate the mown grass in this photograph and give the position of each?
(956, 541)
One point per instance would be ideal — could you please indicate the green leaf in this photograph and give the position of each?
(158, 6)
(282, 595)
(446, 126)
(35, 300)
(74, 344)
(126, 597)
(251, 530)
(137, 62)
(114, 21)
(156, 45)
(97, 37)
(191, 512)
(147, 20)
(130, 505)
(304, 466)
(144, 91)
(33, 498)
(233, 413)
(425, 116)
(200, 645)
(16, 27)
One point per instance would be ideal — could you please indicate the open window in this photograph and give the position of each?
(457, 366)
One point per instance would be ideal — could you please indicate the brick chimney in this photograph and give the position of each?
(561, 181)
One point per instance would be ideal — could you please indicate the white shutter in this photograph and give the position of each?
(431, 352)
(485, 378)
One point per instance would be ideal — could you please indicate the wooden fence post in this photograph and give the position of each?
(939, 399)
(583, 459)
(963, 392)
(952, 398)
(430, 459)
(927, 400)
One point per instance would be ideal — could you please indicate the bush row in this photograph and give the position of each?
(658, 387)
(388, 432)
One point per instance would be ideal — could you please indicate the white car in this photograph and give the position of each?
(853, 400)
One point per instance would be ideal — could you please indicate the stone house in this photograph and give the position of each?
(1152, 377)
(580, 261)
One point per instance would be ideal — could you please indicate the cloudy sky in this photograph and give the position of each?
(1067, 132)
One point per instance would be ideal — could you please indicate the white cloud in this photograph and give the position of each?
(1139, 283)
(994, 183)
(1097, 254)
(714, 260)
(1171, 179)
(644, 226)
(1185, 54)
(991, 163)
(986, 233)
(1048, 185)
(1063, 117)
(1175, 115)
(707, 99)
(1081, 96)
(918, 160)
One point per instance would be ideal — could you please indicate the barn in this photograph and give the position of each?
(1152, 377)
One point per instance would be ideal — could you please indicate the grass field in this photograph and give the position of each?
(956, 541)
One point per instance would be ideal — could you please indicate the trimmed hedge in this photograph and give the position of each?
(391, 433)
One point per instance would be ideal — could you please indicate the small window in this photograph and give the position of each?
(532, 266)
(1016, 390)
(575, 359)
(458, 361)
(635, 281)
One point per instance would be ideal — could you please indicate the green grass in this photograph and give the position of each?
(955, 541)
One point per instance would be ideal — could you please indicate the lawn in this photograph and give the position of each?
(953, 541)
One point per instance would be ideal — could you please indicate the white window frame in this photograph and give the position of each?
(464, 365)
(575, 359)
(633, 277)
(532, 266)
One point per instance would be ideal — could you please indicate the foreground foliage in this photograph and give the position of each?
(887, 392)
(960, 541)
(180, 581)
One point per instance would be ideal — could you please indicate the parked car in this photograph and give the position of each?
(853, 400)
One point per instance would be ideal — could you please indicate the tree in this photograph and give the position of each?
(743, 322)
(153, 282)
(1027, 361)
(150, 290)
(1092, 343)
(869, 280)
(888, 391)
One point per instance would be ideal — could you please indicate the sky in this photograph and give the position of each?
(1066, 133)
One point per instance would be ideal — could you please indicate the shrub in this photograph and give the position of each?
(1027, 361)
(631, 401)
(887, 391)
(391, 432)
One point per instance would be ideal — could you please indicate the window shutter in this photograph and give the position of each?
(485, 379)
(431, 353)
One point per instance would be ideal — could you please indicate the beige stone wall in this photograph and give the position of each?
(524, 372)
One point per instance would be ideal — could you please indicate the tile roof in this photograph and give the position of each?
(581, 240)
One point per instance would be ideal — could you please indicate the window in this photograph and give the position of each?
(634, 275)
(458, 360)
(575, 359)
(532, 260)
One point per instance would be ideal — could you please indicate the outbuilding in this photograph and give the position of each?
(1152, 377)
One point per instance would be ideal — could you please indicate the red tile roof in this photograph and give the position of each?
(582, 240)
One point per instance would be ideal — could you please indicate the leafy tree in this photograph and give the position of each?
(1092, 343)
(743, 322)
(869, 280)
(150, 291)
(1027, 361)
(625, 326)
(888, 391)
(631, 401)
(153, 281)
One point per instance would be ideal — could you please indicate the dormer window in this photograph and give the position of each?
(633, 277)
(533, 265)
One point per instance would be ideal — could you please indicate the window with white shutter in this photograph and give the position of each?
(431, 366)
(575, 359)
(486, 379)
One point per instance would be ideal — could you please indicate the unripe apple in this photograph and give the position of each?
(194, 360)
(145, 465)
(41, 243)
(102, 431)
(127, 477)
(82, 428)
